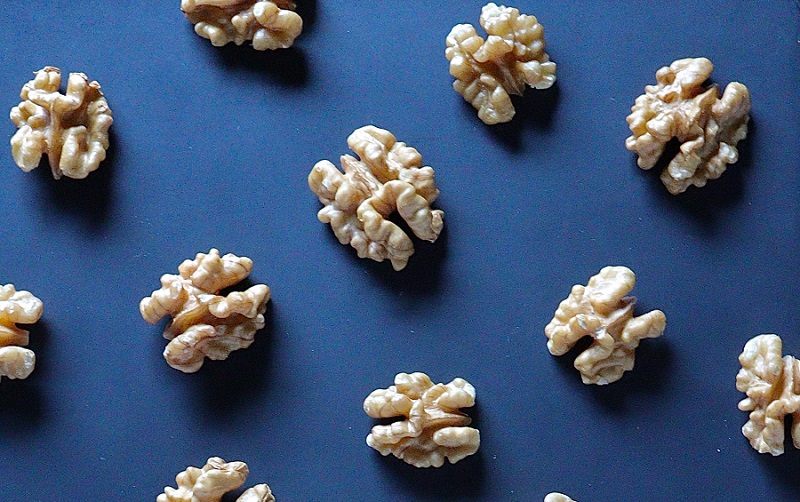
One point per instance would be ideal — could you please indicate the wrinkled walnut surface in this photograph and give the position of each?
(71, 129)
(707, 126)
(772, 385)
(601, 310)
(388, 177)
(212, 481)
(17, 307)
(204, 323)
(270, 25)
(434, 428)
(511, 58)
(557, 497)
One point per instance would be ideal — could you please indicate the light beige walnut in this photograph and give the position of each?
(270, 25)
(388, 177)
(204, 323)
(212, 481)
(772, 385)
(16, 307)
(512, 57)
(71, 129)
(557, 497)
(434, 428)
(707, 126)
(601, 310)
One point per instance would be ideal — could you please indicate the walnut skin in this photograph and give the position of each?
(205, 324)
(772, 386)
(214, 480)
(16, 307)
(435, 429)
(557, 497)
(270, 25)
(708, 127)
(511, 58)
(388, 177)
(601, 310)
(71, 129)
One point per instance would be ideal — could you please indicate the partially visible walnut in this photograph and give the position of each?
(71, 129)
(772, 385)
(601, 310)
(16, 307)
(707, 127)
(557, 497)
(388, 177)
(214, 480)
(435, 429)
(270, 25)
(510, 58)
(205, 324)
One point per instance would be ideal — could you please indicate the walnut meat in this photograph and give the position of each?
(204, 323)
(601, 310)
(270, 25)
(772, 385)
(557, 497)
(388, 177)
(212, 481)
(16, 307)
(435, 429)
(511, 58)
(71, 129)
(707, 126)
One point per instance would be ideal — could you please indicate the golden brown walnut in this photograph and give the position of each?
(557, 497)
(511, 58)
(601, 310)
(204, 323)
(388, 177)
(708, 127)
(435, 429)
(16, 307)
(212, 481)
(772, 386)
(71, 129)
(270, 25)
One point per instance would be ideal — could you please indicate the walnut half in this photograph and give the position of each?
(212, 481)
(557, 497)
(16, 307)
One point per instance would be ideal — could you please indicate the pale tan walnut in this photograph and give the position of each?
(270, 25)
(707, 126)
(71, 129)
(388, 177)
(601, 310)
(511, 58)
(557, 497)
(17, 307)
(204, 323)
(434, 428)
(772, 385)
(212, 481)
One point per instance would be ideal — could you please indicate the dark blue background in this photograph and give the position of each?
(211, 148)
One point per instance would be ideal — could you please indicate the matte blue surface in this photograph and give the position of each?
(211, 148)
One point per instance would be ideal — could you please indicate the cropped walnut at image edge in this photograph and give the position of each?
(388, 177)
(204, 323)
(269, 25)
(557, 497)
(708, 127)
(71, 129)
(212, 481)
(601, 310)
(772, 385)
(512, 57)
(434, 428)
(16, 361)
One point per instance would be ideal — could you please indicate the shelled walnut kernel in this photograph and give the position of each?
(16, 361)
(212, 481)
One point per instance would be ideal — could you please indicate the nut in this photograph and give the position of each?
(71, 129)
(708, 127)
(557, 497)
(511, 57)
(270, 25)
(389, 176)
(205, 324)
(772, 386)
(601, 310)
(214, 480)
(435, 429)
(16, 306)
